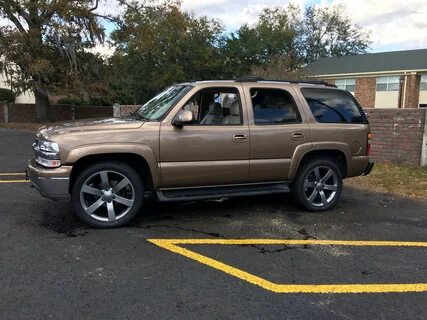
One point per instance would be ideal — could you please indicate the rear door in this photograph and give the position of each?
(277, 127)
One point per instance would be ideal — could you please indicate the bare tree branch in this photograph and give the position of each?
(109, 18)
(124, 2)
(95, 6)
(14, 20)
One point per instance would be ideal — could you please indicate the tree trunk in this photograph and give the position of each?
(42, 105)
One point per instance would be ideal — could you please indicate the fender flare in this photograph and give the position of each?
(116, 148)
(303, 149)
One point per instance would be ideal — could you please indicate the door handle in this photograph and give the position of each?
(240, 138)
(297, 136)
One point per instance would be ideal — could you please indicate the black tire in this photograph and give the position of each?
(302, 193)
(116, 172)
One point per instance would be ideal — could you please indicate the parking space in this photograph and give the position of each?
(246, 258)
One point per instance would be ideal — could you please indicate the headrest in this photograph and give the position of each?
(235, 109)
(215, 108)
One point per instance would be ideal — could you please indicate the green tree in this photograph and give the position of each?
(272, 36)
(43, 47)
(160, 45)
(328, 32)
(286, 38)
(279, 68)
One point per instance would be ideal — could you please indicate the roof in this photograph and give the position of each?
(260, 80)
(410, 60)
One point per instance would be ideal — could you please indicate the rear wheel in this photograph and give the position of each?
(318, 185)
(108, 194)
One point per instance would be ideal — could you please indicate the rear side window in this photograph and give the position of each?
(333, 106)
(273, 106)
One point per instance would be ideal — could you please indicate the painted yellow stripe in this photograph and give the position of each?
(170, 244)
(295, 242)
(13, 181)
(12, 174)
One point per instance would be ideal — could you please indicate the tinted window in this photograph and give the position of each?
(273, 106)
(333, 106)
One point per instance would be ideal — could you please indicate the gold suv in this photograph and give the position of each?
(203, 140)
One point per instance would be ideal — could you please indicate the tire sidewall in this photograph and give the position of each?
(298, 185)
(121, 168)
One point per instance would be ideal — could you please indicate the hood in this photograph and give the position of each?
(47, 132)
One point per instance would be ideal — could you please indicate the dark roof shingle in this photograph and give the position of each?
(371, 62)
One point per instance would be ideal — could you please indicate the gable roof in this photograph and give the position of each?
(409, 60)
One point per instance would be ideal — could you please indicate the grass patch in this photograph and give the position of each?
(396, 179)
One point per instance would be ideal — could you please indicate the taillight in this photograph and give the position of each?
(368, 146)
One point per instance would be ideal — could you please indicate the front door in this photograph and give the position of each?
(211, 150)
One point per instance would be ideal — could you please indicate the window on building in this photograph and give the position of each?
(388, 83)
(346, 84)
(423, 83)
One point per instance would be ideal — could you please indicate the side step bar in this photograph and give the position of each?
(215, 192)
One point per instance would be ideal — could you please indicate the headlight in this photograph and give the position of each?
(48, 146)
(47, 153)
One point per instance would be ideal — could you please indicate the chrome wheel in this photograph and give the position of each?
(320, 186)
(107, 196)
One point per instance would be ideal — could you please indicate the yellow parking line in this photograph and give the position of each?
(12, 174)
(295, 242)
(171, 245)
(13, 181)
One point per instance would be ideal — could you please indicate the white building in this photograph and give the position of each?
(27, 97)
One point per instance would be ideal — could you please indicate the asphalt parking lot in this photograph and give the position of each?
(176, 261)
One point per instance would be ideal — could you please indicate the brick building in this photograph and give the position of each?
(379, 80)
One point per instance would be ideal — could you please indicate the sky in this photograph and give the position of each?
(393, 24)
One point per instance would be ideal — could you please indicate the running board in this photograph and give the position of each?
(215, 192)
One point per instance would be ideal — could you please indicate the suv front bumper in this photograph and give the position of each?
(368, 169)
(51, 183)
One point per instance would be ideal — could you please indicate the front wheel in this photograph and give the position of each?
(107, 194)
(318, 185)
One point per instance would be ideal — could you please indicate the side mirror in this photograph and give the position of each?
(183, 117)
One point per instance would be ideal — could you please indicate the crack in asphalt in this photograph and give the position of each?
(212, 234)
(261, 250)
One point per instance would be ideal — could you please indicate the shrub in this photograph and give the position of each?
(7, 95)
(70, 101)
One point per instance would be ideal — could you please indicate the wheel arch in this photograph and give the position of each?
(338, 155)
(135, 160)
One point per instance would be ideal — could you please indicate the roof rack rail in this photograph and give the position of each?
(250, 79)
(315, 82)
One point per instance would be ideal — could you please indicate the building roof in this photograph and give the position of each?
(409, 60)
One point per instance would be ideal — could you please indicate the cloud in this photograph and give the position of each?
(235, 13)
(393, 24)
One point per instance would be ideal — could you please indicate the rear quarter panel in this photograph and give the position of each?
(349, 138)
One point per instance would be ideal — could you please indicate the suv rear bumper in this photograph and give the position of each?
(51, 183)
(368, 169)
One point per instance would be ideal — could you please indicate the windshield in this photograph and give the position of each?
(160, 104)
